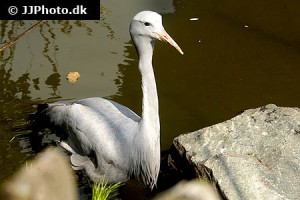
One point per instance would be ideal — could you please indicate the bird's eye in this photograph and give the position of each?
(147, 24)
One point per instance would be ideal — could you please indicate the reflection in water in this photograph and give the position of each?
(53, 81)
(10, 90)
(14, 99)
(14, 106)
(7, 34)
(129, 81)
(23, 86)
(104, 12)
(25, 68)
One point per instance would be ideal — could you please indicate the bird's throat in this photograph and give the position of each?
(150, 107)
(150, 110)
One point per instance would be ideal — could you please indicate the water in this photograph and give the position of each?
(238, 55)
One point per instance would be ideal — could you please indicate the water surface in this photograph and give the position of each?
(238, 55)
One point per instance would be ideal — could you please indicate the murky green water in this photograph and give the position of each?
(238, 55)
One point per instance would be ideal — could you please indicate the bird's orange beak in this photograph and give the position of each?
(164, 36)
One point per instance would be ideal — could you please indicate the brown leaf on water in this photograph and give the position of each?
(72, 77)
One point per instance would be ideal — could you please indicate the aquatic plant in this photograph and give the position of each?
(104, 191)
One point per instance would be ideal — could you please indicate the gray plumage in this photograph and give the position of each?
(108, 140)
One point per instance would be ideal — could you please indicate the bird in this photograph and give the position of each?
(106, 139)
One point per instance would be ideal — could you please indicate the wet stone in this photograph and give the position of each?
(255, 155)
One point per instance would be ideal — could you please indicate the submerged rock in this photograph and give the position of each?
(255, 155)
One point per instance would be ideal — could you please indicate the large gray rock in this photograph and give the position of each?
(255, 155)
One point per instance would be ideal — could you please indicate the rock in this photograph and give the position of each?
(48, 177)
(190, 190)
(255, 155)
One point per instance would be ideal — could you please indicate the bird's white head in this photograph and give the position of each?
(148, 24)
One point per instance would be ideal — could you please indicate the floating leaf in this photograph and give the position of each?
(72, 77)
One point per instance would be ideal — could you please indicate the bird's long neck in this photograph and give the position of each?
(148, 137)
(150, 108)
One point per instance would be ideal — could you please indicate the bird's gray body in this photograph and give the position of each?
(106, 139)
(94, 127)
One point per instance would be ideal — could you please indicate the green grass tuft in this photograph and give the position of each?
(104, 191)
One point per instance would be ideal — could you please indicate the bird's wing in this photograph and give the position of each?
(95, 126)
